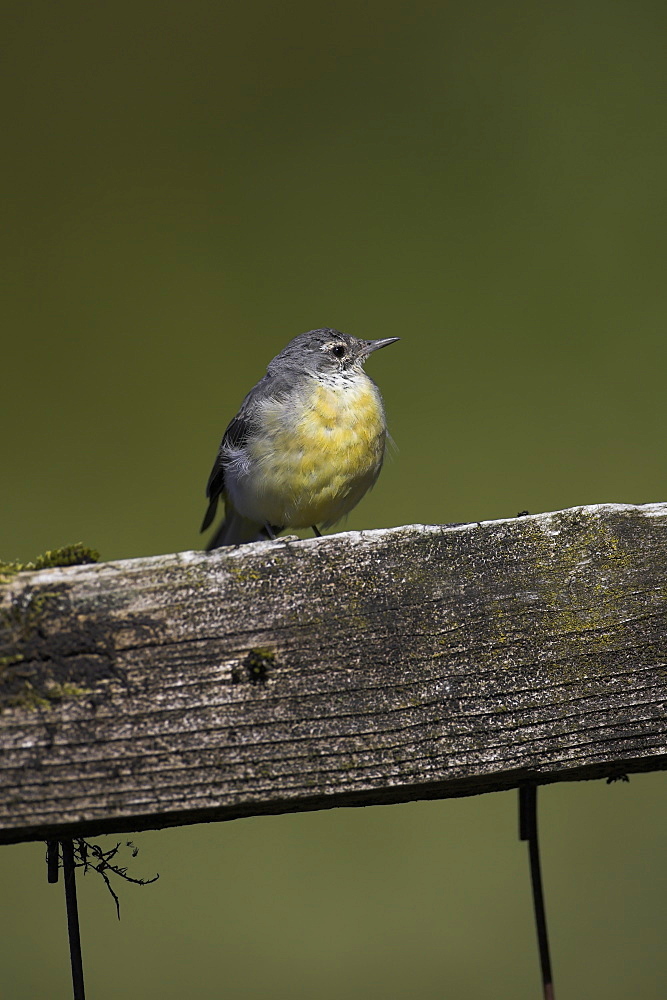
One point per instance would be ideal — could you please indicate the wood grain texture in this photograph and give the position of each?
(358, 668)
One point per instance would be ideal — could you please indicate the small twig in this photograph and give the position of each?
(76, 854)
(86, 850)
(528, 831)
(73, 920)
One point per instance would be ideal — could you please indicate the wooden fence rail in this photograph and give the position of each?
(359, 668)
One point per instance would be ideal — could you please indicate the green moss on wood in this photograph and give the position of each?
(70, 555)
(22, 621)
(32, 698)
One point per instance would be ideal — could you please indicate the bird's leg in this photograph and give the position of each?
(269, 530)
(318, 533)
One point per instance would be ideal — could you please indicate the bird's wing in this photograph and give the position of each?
(235, 437)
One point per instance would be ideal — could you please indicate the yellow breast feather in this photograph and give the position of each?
(318, 453)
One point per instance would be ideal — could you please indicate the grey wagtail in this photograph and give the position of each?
(307, 443)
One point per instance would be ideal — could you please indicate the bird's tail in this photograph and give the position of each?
(237, 530)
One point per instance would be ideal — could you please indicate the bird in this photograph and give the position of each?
(306, 444)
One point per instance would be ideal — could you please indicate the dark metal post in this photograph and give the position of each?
(52, 859)
(528, 831)
(73, 920)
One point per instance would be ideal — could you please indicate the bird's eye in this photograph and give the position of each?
(338, 350)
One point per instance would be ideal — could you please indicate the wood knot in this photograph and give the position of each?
(255, 667)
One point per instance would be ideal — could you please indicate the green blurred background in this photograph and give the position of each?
(187, 186)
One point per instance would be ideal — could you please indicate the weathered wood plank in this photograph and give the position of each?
(358, 668)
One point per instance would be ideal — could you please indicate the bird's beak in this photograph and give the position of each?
(375, 345)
